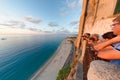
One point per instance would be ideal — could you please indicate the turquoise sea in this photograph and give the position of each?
(22, 55)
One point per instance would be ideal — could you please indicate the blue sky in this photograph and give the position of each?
(52, 16)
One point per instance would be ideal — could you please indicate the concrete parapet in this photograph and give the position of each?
(101, 70)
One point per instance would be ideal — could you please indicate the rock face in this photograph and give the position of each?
(101, 70)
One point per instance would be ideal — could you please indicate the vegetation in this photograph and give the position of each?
(117, 9)
(64, 72)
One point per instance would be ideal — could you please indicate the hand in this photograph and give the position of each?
(98, 47)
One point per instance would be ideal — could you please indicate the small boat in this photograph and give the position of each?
(3, 38)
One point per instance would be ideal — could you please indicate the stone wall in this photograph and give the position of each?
(97, 17)
(100, 26)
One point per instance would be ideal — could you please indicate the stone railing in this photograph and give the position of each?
(92, 68)
(101, 70)
(95, 68)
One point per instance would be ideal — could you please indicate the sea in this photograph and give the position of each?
(22, 55)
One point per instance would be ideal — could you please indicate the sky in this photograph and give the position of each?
(39, 16)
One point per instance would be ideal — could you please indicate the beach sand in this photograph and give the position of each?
(50, 70)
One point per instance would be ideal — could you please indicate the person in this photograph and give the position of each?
(91, 41)
(86, 36)
(114, 53)
(108, 35)
(96, 38)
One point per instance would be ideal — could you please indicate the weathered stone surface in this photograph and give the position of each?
(79, 72)
(98, 12)
(101, 70)
(99, 27)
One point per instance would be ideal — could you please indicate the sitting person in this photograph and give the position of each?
(86, 36)
(91, 41)
(96, 38)
(108, 35)
(114, 53)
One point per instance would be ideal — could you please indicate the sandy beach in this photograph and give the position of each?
(50, 70)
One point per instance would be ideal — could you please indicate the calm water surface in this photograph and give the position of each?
(22, 55)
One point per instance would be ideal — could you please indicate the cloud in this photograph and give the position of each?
(39, 30)
(63, 31)
(74, 23)
(32, 20)
(63, 11)
(70, 6)
(33, 29)
(16, 31)
(17, 23)
(76, 27)
(53, 24)
(6, 24)
(22, 25)
(73, 3)
(48, 31)
(80, 2)
(13, 23)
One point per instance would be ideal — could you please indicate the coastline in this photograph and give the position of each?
(50, 69)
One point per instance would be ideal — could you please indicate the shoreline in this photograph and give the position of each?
(53, 62)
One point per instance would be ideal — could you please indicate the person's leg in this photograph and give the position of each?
(109, 54)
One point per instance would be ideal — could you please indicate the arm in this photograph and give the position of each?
(107, 48)
(107, 43)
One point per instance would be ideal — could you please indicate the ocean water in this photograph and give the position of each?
(22, 55)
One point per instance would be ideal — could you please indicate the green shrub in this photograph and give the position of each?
(64, 72)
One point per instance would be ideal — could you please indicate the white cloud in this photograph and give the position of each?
(13, 23)
(80, 2)
(76, 27)
(74, 23)
(49, 32)
(70, 6)
(33, 29)
(53, 24)
(16, 31)
(63, 31)
(63, 11)
(32, 20)
(73, 3)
